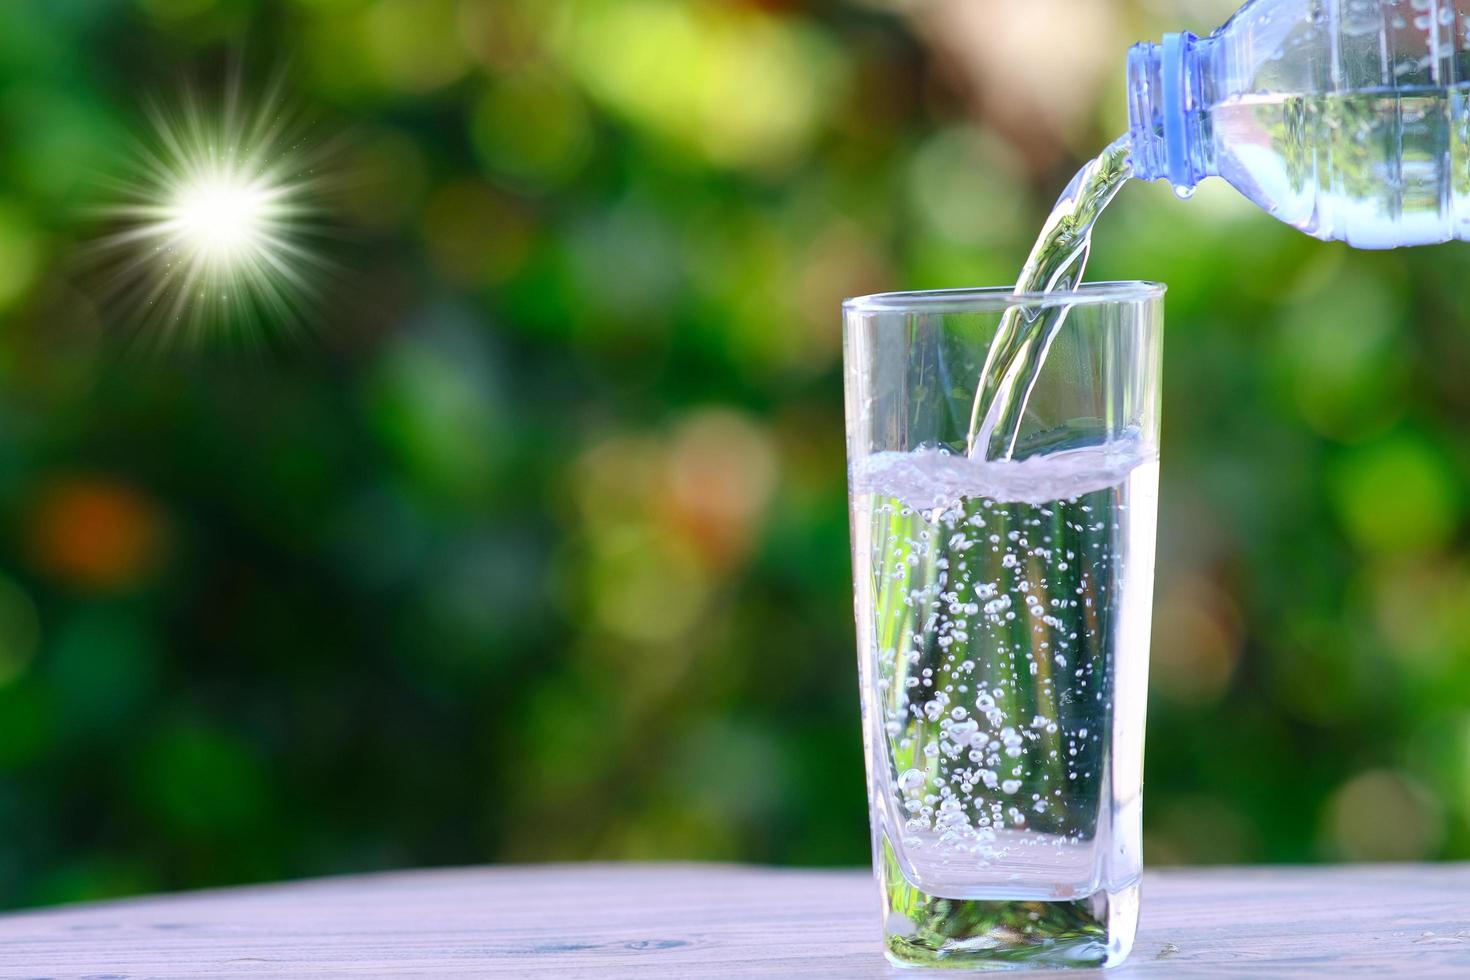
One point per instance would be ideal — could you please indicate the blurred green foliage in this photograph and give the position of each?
(536, 547)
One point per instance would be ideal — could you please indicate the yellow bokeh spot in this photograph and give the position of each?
(411, 45)
(1196, 642)
(1384, 815)
(738, 86)
(1397, 495)
(532, 126)
(20, 255)
(966, 186)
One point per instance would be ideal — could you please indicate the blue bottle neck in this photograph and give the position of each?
(1167, 112)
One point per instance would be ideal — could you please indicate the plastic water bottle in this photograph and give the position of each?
(1348, 119)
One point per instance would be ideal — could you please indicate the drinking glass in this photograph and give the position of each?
(1003, 612)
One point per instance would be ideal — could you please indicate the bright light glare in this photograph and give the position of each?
(216, 220)
(222, 218)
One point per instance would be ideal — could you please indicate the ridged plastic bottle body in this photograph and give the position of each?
(1348, 119)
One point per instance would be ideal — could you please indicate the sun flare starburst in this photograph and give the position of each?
(214, 227)
(223, 218)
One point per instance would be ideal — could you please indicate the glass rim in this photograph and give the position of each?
(997, 299)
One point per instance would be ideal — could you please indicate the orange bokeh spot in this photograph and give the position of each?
(95, 533)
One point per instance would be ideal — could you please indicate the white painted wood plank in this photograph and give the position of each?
(718, 921)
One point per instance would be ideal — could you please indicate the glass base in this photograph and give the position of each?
(983, 934)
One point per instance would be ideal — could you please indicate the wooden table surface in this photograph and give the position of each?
(719, 921)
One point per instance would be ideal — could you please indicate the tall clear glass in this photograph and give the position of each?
(1003, 614)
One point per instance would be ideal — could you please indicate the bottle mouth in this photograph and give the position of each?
(1163, 103)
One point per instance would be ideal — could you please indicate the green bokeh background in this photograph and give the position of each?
(533, 543)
